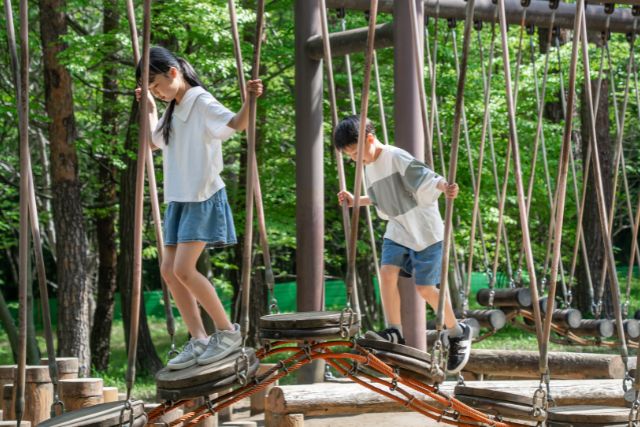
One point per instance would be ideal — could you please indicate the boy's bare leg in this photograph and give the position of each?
(431, 295)
(390, 294)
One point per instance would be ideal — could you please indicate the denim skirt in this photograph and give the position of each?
(209, 221)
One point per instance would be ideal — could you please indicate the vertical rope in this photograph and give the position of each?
(153, 191)
(139, 201)
(364, 107)
(250, 187)
(453, 164)
(262, 226)
(23, 108)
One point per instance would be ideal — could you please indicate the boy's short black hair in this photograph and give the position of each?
(346, 132)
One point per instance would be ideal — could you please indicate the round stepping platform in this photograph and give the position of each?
(410, 361)
(504, 409)
(310, 325)
(499, 402)
(587, 416)
(197, 380)
(103, 415)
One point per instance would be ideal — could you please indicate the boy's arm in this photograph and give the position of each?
(345, 195)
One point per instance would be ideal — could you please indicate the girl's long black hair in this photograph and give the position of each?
(160, 61)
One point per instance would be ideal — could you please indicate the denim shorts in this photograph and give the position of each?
(209, 221)
(424, 265)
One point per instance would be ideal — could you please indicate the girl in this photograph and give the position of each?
(190, 135)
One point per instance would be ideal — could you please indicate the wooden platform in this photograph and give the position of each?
(347, 398)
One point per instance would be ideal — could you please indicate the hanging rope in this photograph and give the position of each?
(23, 114)
(561, 184)
(364, 107)
(453, 165)
(352, 98)
(486, 82)
(595, 159)
(262, 226)
(143, 148)
(513, 136)
(153, 194)
(33, 217)
(251, 179)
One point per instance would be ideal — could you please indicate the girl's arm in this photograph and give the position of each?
(240, 121)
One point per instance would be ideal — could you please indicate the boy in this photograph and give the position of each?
(405, 192)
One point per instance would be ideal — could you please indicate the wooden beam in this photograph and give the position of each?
(346, 42)
(563, 365)
(538, 13)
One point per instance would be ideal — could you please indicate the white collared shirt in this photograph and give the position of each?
(193, 158)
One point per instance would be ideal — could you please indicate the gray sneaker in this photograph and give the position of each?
(221, 344)
(188, 356)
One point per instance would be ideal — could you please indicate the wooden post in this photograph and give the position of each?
(38, 394)
(67, 367)
(7, 402)
(80, 393)
(6, 374)
(257, 399)
(109, 394)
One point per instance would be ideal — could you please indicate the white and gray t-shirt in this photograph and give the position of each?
(404, 191)
(193, 158)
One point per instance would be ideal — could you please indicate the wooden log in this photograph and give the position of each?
(284, 420)
(602, 328)
(562, 365)
(15, 424)
(520, 297)
(67, 367)
(7, 402)
(631, 329)
(567, 318)
(492, 319)
(350, 41)
(80, 392)
(258, 399)
(38, 394)
(1, 416)
(110, 394)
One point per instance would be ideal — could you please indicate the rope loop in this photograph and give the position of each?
(452, 23)
(525, 3)
(531, 29)
(553, 4)
(341, 13)
(173, 350)
(210, 407)
(273, 306)
(306, 348)
(242, 373)
(627, 382)
(635, 10)
(283, 367)
(477, 25)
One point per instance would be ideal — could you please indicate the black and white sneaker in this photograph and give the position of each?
(459, 350)
(391, 335)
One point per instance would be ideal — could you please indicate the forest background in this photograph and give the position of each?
(83, 135)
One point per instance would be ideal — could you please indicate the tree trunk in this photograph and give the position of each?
(71, 247)
(105, 221)
(591, 220)
(6, 320)
(147, 357)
